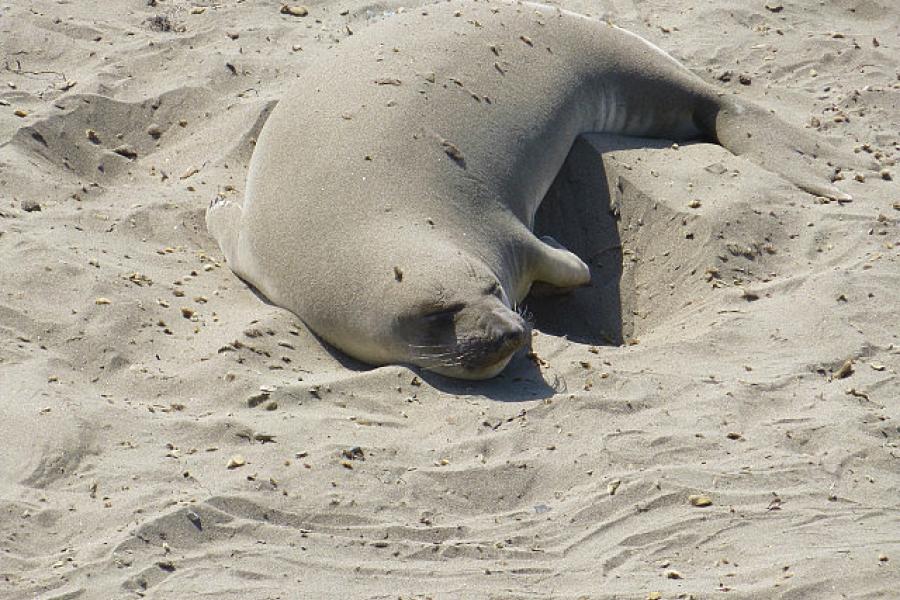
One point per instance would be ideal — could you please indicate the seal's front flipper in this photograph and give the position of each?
(223, 220)
(794, 153)
(557, 270)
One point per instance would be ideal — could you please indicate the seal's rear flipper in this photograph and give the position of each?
(556, 269)
(795, 154)
(223, 219)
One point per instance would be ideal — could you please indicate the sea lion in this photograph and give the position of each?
(391, 195)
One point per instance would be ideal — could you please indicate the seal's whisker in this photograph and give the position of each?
(437, 351)
(444, 355)
(426, 362)
(526, 314)
(432, 358)
(427, 347)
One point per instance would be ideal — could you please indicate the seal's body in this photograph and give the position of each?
(391, 195)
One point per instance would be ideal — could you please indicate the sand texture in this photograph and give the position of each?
(715, 417)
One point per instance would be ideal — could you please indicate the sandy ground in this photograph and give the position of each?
(167, 434)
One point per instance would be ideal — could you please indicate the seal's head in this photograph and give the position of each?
(472, 335)
(425, 303)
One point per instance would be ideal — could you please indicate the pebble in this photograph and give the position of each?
(236, 461)
(354, 453)
(166, 565)
(716, 169)
(257, 399)
(295, 11)
(700, 500)
(126, 151)
(31, 206)
(451, 150)
(845, 371)
(194, 518)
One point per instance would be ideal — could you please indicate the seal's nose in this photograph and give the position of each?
(513, 339)
(510, 330)
(502, 333)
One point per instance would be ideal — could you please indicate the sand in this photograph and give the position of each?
(715, 417)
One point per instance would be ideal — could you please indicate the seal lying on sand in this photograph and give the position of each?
(391, 195)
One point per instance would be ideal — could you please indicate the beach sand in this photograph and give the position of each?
(715, 417)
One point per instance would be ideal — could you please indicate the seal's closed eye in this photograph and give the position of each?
(431, 330)
(442, 315)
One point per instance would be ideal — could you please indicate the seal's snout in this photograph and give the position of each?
(509, 331)
(513, 339)
(489, 337)
(473, 340)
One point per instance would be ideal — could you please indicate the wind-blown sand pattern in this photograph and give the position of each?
(167, 434)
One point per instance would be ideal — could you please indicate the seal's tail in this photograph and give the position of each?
(798, 155)
(223, 218)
